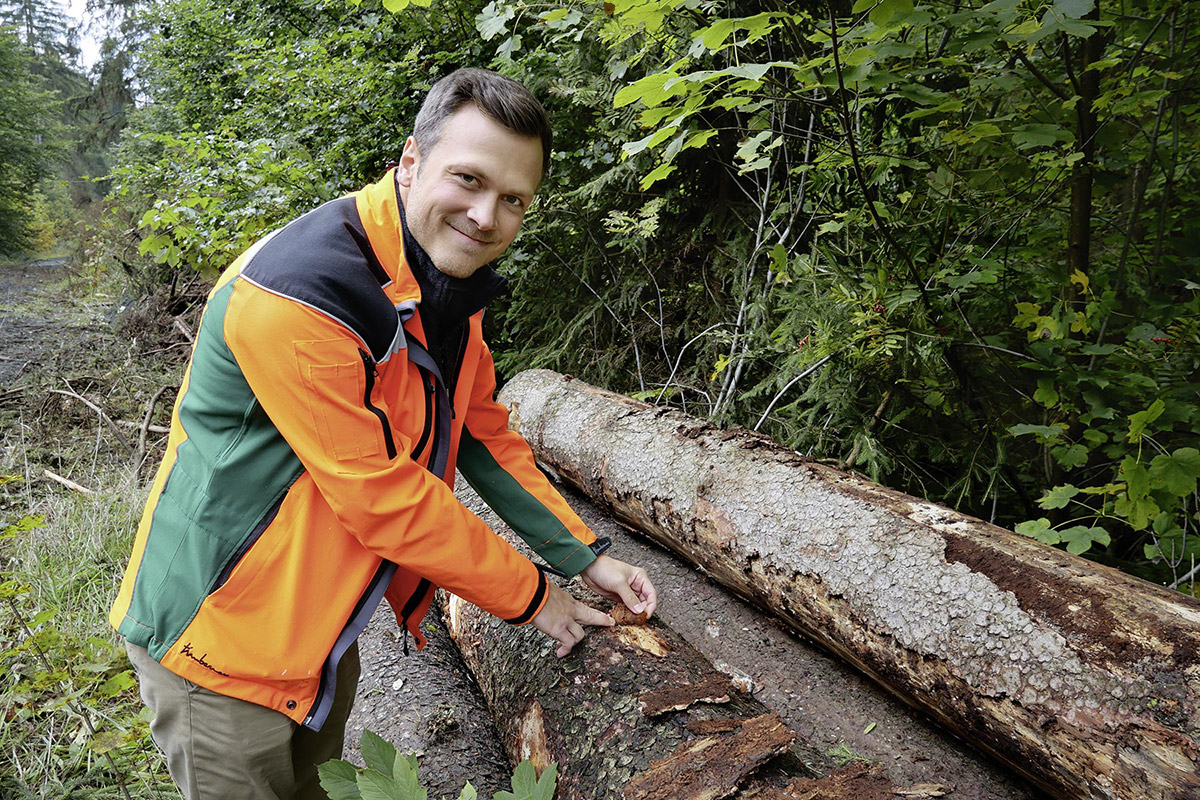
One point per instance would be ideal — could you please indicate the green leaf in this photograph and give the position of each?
(491, 21)
(886, 10)
(1038, 529)
(1045, 433)
(714, 36)
(1040, 135)
(1138, 510)
(376, 786)
(1058, 497)
(1080, 538)
(1165, 525)
(121, 682)
(753, 72)
(862, 55)
(1071, 456)
(1141, 419)
(648, 89)
(42, 617)
(339, 779)
(659, 172)
(468, 793)
(546, 784)
(1178, 471)
(524, 779)
(1046, 394)
(1075, 9)
(106, 741)
(378, 753)
(1137, 479)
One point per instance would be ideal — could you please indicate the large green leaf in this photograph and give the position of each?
(1080, 538)
(1140, 420)
(1058, 497)
(378, 753)
(339, 779)
(1178, 471)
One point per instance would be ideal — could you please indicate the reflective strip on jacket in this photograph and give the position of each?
(297, 487)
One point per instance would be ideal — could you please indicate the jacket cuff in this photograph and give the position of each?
(535, 605)
(577, 561)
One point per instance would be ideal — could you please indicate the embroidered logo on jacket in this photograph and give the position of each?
(187, 651)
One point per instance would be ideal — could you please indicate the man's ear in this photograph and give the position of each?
(410, 161)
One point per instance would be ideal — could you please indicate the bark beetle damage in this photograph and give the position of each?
(851, 782)
(713, 689)
(531, 732)
(642, 639)
(712, 767)
(1080, 612)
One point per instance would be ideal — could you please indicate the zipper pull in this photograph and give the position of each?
(368, 361)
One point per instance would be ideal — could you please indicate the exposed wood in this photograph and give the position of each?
(183, 328)
(124, 423)
(1083, 679)
(107, 420)
(139, 455)
(587, 712)
(70, 484)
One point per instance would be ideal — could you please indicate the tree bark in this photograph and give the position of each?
(636, 713)
(1085, 680)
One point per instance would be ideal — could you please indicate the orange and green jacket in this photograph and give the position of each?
(309, 467)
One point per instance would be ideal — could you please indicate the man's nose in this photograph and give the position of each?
(482, 213)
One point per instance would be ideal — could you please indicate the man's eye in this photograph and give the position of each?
(467, 179)
(514, 201)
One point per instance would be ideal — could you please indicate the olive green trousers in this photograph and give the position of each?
(222, 748)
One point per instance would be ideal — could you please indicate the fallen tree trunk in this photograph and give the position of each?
(1085, 680)
(636, 713)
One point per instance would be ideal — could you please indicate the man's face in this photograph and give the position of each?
(465, 199)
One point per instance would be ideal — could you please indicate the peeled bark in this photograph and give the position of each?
(636, 713)
(1085, 680)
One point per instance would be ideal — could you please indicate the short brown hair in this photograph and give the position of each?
(503, 99)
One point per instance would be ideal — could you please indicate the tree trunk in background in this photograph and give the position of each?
(636, 713)
(1081, 678)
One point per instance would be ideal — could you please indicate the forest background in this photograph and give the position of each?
(952, 245)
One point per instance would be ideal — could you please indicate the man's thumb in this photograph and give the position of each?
(631, 600)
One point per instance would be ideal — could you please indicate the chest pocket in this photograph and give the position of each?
(350, 422)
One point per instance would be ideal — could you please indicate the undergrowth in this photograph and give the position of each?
(71, 722)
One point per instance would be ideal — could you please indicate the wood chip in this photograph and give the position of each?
(851, 782)
(714, 689)
(921, 791)
(712, 767)
(623, 616)
(707, 727)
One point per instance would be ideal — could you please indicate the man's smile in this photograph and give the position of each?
(475, 238)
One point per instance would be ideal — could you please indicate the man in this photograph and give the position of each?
(338, 378)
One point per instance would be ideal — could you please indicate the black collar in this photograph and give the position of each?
(446, 301)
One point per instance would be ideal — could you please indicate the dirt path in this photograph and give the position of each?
(25, 336)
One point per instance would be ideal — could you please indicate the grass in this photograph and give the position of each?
(72, 717)
(71, 722)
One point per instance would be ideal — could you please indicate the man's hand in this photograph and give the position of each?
(562, 618)
(621, 582)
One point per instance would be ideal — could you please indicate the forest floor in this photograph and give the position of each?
(426, 702)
